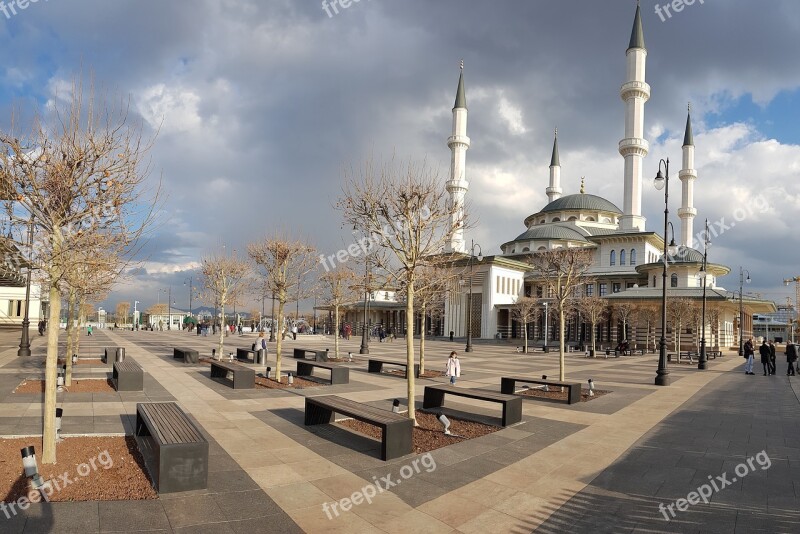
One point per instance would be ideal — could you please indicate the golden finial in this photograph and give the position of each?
(583, 190)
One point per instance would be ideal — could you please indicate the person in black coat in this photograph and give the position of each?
(764, 351)
(771, 358)
(791, 357)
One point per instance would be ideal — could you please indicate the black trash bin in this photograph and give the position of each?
(120, 356)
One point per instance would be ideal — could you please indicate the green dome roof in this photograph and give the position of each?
(684, 255)
(581, 201)
(551, 231)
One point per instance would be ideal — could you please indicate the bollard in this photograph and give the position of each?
(591, 388)
(29, 461)
(396, 406)
(545, 388)
(291, 380)
(269, 371)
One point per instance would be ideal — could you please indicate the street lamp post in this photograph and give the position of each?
(662, 182)
(25, 342)
(791, 319)
(169, 308)
(741, 308)
(703, 362)
(472, 248)
(364, 349)
(191, 293)
(546, 320)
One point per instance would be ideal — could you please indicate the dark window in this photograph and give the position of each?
(616, 287)
(673, 280)
(603, 289)
(633, 256)
(622, 257)
(613, 258)
(589, 290)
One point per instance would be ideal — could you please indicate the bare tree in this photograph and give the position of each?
(526, 310)
(403, 211)
(78, 175)
(336, 291)
(432, 281)
(647, 314)
(595, 309)
(713, 316)
(157, 309)
(623, 311)
(562, 270)
(224, 281)
(679, 311)
(283, 264)
(122, 310)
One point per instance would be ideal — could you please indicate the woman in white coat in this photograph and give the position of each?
(453, 368)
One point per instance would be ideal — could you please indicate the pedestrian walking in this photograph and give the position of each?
(453, 368)
(748, 355)
(89, 330)
(763, 350)
(772, 357)
(791, 358)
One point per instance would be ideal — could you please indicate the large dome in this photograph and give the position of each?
(684, 255)
(582, 202)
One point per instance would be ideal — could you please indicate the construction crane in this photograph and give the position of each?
(796, 281)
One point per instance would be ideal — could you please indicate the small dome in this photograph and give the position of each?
(551, 231)
(684, 255)
(581, 201)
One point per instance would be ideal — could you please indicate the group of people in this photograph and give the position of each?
(767, 353)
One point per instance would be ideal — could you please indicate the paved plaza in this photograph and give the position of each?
(614, 464)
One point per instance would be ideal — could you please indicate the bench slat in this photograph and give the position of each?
(353, 408)
(170, 424)
(472, 393)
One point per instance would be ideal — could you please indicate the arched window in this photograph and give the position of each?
(556, 219)
(654, 280)
(542, 248)
(633, 256)
(622, 257)
(526, 249)
(613, 258)
(590, 219)
(673, 280)
(573, 218)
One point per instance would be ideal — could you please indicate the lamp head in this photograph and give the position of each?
(748, 279)
(672, 248)
(660, 181)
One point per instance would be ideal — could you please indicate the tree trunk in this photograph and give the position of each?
(336, 330)
(279, 339)
(525, 337)
(49, 423)
(561, 342)
(422, 343)
(76, 344)
(70, 331)
(410, 352)
(594, 345)
(221, 345)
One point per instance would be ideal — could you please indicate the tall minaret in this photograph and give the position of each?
(687, 175)
(554, 191)
(633, 147)
(457, 185)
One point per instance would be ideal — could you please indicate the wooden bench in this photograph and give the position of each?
(683, 354)
(375, 365)
(396, 429)
(187, 355)
(175, 451)
(241, 376)
(127, 376)
(512, 404)
(714, 353)
(339, 373)
(319, 355)
(507, 386)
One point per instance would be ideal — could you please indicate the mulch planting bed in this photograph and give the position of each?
(426, 374)
(84, 385)
(555, 393)
(299, 383)
(87, 469)
(82, 361)
(428, 435)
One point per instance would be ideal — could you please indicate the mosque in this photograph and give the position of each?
(626, 265)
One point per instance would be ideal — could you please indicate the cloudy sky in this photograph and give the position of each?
(262, 103)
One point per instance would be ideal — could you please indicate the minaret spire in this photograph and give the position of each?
(687, 175)
(554, 190)
(634, 147)
(457, 185)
